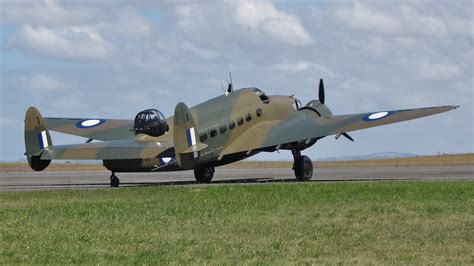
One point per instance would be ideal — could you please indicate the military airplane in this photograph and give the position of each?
(220, 131)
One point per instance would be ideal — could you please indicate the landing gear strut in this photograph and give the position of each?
(204, 175)
(114, 181)
(303, 166)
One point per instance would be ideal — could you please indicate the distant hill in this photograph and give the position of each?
(372, 156)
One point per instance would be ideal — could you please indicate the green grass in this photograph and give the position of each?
(361, 223)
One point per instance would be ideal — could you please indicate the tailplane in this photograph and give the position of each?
(37, 139)
(186, 138)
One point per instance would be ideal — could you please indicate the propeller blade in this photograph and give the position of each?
(229, 88)
(321, 91)
(348, 137)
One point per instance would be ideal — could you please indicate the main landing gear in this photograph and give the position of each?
(114, 181)
(303, 166)
(204, 175)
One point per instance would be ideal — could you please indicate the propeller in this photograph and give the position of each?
(321, 91)
(322, 99)
(230, 86)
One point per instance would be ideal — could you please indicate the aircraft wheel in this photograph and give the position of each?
(303, 168)
(204, 175)
(114, 181)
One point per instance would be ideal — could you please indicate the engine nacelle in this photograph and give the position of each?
(150, 122)
(320, 108)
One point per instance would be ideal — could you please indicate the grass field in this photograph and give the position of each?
(361, 223)
(440, 160)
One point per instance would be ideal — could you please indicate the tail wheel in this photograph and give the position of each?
(204, 175)
(303, 168)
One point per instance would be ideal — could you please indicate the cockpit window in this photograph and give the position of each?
(263, 97)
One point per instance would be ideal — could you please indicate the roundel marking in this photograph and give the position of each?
(376, 116)
(166, 159)
(90, 123)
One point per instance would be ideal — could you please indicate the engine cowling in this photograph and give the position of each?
(150, 122)
(320, 108)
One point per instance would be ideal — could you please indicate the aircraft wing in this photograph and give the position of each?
(306, 125)
(93, 128)
(107, 150)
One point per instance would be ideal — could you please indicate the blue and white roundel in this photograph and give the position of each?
(167, 160)
(376, 116)
(89, 123)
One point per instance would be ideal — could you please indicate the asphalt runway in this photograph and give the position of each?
(97, 180)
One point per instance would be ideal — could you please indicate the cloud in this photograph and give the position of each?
(187, 46)
(438, 71)
(41, 82)
(51, 13)
(420, 23)
(302, 66)
(127, 24)
(265, 18)
(363, 17)
(247, 19)
(72, 43)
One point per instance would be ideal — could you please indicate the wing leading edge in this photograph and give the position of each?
(306, 125)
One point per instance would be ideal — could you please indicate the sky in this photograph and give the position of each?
(112, 59)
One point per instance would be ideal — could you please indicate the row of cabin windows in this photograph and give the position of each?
(231, 125)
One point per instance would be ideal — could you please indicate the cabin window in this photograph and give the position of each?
(259, 112)
(231, 125)
(240, 121)
(248, 117)
(263, 97)
(213, 133)
(203, 136)
(222, 129)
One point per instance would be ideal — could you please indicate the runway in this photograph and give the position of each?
(100, 179)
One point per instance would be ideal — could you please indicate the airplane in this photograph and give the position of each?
(220, 131)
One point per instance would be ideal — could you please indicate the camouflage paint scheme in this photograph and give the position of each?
(269, 124)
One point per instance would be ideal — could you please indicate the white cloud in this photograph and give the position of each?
(363, 17)
(265, 18)
(252, 20)
(73, 43)
(51, 12)
(198, 51)
(302, 66)
(41, 82)
(438, 71)
(422, 24)
(129, 25)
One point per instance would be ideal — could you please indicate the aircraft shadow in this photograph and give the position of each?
(191, 183)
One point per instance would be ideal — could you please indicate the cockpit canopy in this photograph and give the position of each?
(150, 122)
(263, 97)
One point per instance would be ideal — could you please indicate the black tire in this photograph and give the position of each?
(303, 168)
(204, 175)
(114, 181)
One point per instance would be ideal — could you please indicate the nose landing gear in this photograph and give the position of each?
(303, 166)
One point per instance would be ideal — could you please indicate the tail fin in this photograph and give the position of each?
(186, 139)
(37, 138)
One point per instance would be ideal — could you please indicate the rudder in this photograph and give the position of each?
(37, 139)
